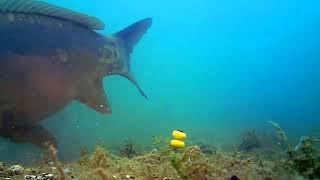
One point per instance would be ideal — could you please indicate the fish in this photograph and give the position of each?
(51, 56)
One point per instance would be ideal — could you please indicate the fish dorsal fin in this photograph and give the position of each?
(46, 9)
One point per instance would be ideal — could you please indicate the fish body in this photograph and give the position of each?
(46, 62)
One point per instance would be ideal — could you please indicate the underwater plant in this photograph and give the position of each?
(305, 157)
(207, 148)
(190, 164)
(128, 149)
(176, 163)
(99, 158)
(250, 141)
(281, 134)
(150, 174)
(161, 145)
(84, 155)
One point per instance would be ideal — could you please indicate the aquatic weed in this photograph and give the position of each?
(190, 164)
(128, 149)
(176, 163)
(99, 158)
(305, 158)
(281, 134)
(250, 141)
(84, 155)
(161, 144)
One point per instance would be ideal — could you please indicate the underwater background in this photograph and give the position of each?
(212, 68)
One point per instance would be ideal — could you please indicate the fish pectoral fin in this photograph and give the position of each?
(36, 135)
(95, 97)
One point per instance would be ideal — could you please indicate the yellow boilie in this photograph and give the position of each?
(178, 139)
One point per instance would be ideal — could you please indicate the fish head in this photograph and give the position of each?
(109, 57)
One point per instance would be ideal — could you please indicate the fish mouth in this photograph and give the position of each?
(105, 110)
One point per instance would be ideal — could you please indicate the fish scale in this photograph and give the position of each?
(43, 8)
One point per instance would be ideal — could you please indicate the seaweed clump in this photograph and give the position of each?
(99, 158)
(161, 146)
(250, 141)
(304, 158)
(128, 149)
(207, 148)
(190, 165)
(84, 155)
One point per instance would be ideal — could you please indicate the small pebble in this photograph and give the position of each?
(67, 170)
(17, 169)
(154, 150)
(49, 175)
(42, 176)
(129, 176)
